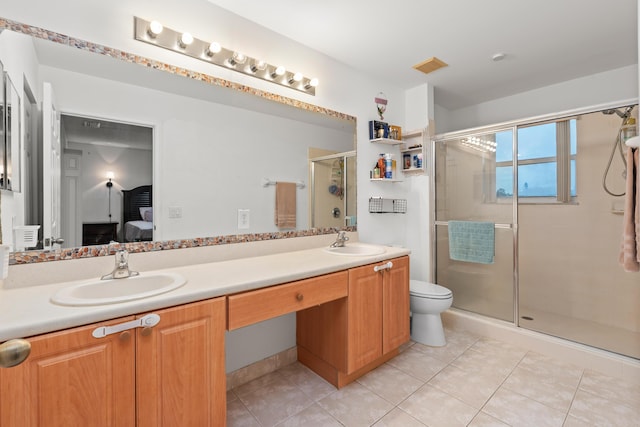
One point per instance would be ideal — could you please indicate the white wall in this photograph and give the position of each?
(602, 88)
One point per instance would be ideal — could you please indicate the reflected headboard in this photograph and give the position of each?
(133, 200)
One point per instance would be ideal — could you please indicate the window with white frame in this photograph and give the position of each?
(546, 162)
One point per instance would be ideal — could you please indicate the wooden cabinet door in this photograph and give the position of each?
(72, 379)
(364, 325)
(395, 311)
(180, 367)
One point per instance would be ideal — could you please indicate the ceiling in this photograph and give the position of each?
(84, 130)
(544, 41)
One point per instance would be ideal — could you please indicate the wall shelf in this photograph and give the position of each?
(413, 148)
(387, 141)
(386, 179)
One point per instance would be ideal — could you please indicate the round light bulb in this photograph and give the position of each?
(313, 82)
(258, 65)
(297, 77)
(186, 39)
(214, 48)
(155, 28)
(239, 57)
(110, 175)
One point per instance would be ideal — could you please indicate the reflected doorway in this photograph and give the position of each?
(101, 159)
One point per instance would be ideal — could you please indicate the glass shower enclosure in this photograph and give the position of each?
(557, 231)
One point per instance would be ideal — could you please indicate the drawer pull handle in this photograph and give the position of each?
(383, 267)
(299, 297)
(14, 352)
(144, 322)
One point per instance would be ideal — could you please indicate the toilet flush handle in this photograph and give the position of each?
(383, 267)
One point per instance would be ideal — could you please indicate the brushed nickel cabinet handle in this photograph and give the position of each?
(299, 297)
(14, 352)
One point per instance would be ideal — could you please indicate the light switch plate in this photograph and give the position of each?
(243, 219)
(175, 212)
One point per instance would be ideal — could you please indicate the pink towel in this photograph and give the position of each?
(285, 204)
(630, 248)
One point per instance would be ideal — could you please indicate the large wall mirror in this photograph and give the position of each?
(97, 128)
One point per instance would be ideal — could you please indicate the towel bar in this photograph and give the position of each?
(266, 182)
(497, 225)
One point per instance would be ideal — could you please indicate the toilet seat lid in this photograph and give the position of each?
(429, 290)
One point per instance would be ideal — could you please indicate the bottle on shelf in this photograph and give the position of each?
(381, 166)
(376, 171)
(388, 166)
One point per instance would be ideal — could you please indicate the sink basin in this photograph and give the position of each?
(357, 249)
(111, 291)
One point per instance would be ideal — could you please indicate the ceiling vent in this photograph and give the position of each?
(430, 65)
(91, 124)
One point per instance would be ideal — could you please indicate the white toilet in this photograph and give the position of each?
(427, 301)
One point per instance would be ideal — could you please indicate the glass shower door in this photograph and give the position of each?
(473, 184)
(333, 191)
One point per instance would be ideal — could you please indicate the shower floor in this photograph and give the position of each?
(616, 340)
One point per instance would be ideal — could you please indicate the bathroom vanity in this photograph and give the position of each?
(352, 314)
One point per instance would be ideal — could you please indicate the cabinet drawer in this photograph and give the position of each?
(262, 304)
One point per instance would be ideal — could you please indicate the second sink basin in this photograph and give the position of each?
(111, 291)
(357, 249)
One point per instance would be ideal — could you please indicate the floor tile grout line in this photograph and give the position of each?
(424, 383)
(534, 399)
(500, 386)
(575, 393)
(617, 401)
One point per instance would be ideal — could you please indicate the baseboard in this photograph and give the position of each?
(602, 361)
(261, 367)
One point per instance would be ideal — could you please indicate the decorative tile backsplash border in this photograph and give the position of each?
(104, 250)
(30, 257)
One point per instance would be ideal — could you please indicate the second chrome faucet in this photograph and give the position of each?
(340, 240)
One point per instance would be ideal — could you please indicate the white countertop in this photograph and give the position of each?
(28, 311)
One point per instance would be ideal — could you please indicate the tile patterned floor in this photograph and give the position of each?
(472, 381)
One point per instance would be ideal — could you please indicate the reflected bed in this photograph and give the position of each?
(137, 214)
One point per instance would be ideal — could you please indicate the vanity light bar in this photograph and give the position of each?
(154, 33)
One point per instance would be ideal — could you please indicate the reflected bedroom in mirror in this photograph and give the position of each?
(115, 151)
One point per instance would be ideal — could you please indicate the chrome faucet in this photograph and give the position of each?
(121, 270)
(340, 240)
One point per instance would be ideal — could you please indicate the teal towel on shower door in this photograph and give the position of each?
(472, 241)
